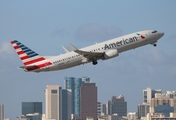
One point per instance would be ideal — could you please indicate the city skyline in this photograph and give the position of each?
(52, 89)
(55, 93)
(46, 26)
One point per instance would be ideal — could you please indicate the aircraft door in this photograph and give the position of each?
(146, 35)
(66, 61)
(46, 66)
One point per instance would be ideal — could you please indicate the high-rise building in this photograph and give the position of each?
(132, 116)
(171, 94)
(117, 106)
(103, 106)
(161, 102)
(35, 116)
(143, 109)
(22, 117)
(148, 94)
(6, 118)
(1, 112)
(101, 109)
(53, 98)
(66, 104)
(166, 109)
(31, 107)
(74, 84)
(88, 100)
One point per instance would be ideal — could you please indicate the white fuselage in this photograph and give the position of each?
(121, 44)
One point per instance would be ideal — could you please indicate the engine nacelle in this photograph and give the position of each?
(111, 54)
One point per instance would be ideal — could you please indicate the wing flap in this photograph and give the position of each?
(90, 54)
(86, 54)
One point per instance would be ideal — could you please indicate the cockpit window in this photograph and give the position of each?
(154, 31)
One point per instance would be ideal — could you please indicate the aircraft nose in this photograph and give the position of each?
(161, 34)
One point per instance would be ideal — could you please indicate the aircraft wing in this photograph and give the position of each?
(87, 54)
(90, 55)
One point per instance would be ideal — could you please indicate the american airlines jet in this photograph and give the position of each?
(33, 62)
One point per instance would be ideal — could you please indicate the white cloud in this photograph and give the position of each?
(6, 49)
(96, 32)
(152, 56)
(147, 60)
(6, 57)
(61, 32)
(157, 60)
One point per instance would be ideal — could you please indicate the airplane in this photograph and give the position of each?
(33, 62)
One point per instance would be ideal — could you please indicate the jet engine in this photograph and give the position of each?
(110, 54)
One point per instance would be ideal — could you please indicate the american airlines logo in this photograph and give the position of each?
(119, 43)
(139, 35)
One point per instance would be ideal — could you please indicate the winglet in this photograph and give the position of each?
(73, 47)
(65, 49)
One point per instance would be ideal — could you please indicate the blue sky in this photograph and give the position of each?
(45, 25)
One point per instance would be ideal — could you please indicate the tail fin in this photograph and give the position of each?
(27, 56)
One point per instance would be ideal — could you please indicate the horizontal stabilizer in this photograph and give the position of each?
(65, 49)
(29, 68)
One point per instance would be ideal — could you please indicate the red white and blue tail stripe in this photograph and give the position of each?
(30, 59)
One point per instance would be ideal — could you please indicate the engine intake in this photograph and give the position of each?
(110, 54)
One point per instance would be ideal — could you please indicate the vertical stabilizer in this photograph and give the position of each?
(27, 56)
